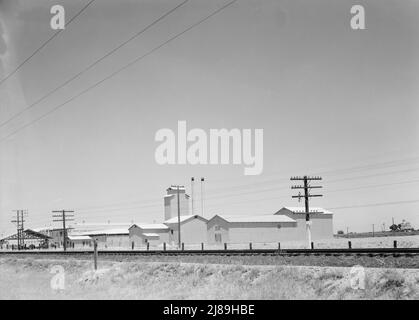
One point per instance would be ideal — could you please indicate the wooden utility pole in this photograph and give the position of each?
(306, 196)
(95, 253)
(63, 217)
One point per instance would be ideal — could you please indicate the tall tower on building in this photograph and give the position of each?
(170, 202)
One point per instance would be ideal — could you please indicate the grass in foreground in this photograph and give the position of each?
(30, 279)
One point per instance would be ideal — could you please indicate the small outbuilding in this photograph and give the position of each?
(79, 241)
(153, 233)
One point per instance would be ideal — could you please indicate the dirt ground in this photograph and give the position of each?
(27, 278)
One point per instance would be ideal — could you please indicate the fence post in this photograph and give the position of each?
(148, 246)
(183, 246)
(225, 246)
(164, 246)
(279, 245)
(312, 245)
(132, 245)
(395, 244)
(350, 245)
(95, 254)
(202, 246)
(250, 246)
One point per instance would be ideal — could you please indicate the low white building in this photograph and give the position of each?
(245, 229)
(152, 233)
(110, 238)
(79, 242)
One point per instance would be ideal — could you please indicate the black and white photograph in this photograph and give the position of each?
(227, 151)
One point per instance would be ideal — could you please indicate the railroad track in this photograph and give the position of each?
(230, 252)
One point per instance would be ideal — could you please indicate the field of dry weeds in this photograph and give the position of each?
(26, 278)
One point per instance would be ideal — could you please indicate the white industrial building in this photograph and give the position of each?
(287, 224)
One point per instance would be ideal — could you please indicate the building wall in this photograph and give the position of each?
(193, 231)
(321, 226)
(80, 244)
(262, 232)
(117, 241)
(219, 227)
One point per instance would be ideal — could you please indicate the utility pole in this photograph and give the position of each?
(63, 217)
(20, 228)
(306, 196)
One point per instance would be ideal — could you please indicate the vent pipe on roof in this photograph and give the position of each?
(192, 194)
(202, 197)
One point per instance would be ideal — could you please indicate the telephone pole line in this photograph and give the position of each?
(63, 217)
(20, 228)
(307, 187)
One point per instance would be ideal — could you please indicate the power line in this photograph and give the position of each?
(45, 43)
(379, 165)
(93, 64)
(120, 70)
(376, 204)
(158, 207)
(89, 212)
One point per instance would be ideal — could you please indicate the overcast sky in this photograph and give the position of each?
(328, 98)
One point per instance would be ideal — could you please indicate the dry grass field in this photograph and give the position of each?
(27, 278)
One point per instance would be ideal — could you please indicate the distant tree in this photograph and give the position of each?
(341, 232)
(395, 227)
